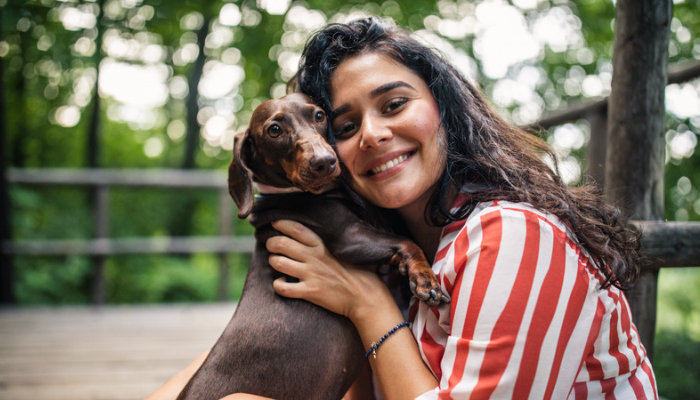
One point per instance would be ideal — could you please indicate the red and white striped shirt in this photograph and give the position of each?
(528, 318)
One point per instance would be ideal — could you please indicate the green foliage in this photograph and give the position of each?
(677, 366)
(49, 280)
(50, 213)
(677, 344)
(679, 294)
(155, 280)
(129, 279)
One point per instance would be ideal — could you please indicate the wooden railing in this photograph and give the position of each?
(664, 244)
(102, 246)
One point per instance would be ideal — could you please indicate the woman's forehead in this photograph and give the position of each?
(370, 71)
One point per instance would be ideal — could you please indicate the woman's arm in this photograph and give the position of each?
(359, 295)
(172, 388)
(362, 388)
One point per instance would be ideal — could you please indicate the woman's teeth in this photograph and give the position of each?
(391, 163)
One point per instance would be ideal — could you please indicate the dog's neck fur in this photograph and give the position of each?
(267, 189)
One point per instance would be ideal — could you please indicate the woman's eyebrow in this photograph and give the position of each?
(388, 87)
(338, 112)
(373, 94)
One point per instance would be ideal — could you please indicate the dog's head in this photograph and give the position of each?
(285, 146)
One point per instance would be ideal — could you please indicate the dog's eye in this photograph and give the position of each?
(320, 116)
(274, 130)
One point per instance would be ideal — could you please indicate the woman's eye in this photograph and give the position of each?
(345, 130)
(320, 116)
(395, 104)
(274, 131)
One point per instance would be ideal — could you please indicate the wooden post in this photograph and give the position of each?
(636, 130)
(101, 229)
(7, 295)
(595, 152)
(224, 230)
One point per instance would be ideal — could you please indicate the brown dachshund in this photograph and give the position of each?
(287, 348)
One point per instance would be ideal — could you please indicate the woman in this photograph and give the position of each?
(534, 268)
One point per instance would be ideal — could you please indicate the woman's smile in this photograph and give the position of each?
(394, 165)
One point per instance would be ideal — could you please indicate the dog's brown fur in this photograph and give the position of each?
(285, 348)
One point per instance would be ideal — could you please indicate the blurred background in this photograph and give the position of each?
(137, 86)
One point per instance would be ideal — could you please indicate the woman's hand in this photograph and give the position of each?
(359, 295)
(323, 280)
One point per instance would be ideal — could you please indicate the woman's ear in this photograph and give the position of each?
(240, 180)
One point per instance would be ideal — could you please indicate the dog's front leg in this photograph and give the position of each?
(410, 260)
(360, 244)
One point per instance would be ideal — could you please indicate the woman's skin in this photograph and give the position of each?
(172, 388)
(382, 111)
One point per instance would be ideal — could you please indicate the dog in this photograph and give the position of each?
(288, 348)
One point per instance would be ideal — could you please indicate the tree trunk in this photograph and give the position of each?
(192, 135)
(636, 128)
(181, 223)
(93, 147)
(23, 133)
(6, 267)
(93, 151)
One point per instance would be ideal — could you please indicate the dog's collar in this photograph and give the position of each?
(267, 189)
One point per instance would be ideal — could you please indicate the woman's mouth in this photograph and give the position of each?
(389, 164)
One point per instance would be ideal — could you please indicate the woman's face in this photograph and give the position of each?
(386, 123)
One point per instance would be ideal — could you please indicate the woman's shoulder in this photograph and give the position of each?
(507, 218)
(509, 209)
(510, 232)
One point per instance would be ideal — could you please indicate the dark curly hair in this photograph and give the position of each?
(481, 147)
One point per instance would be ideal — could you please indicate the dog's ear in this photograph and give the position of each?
(240, 180)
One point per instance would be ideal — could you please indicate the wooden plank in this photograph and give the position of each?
(106, 353)
(119, 177)
(678, 73)
(670, 244)
(159, 245)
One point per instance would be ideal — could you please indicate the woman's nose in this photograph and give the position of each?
(373, 133)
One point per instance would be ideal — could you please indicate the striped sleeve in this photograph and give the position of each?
(524, 314)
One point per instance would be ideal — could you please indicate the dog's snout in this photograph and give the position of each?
(323, 164)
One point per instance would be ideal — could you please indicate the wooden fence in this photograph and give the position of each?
(102, 246)
(664, 244)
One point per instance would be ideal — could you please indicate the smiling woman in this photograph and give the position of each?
(525, 259)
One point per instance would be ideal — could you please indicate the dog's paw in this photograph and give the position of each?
(411, 261)
(425, 286)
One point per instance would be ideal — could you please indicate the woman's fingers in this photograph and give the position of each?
(288, 289)
(298, 232)
(286, 265)
(300, 243)
(290, 248)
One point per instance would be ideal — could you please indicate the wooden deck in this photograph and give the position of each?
(107, 353)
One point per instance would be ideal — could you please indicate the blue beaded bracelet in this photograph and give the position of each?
(375, 345)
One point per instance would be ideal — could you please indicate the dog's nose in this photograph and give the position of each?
(323, 164)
